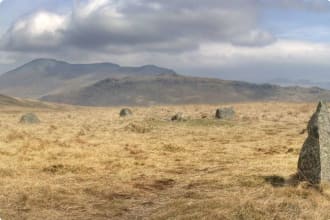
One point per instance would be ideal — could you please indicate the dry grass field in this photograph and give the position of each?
(87, 163)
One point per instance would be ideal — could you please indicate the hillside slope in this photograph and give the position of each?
(7, 101)
(181, 90)
(46, 76)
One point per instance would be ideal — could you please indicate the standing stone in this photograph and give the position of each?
(29, 118)
(314, 158)
(225, 113)
(125, 112)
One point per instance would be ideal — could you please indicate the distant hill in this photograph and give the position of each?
(175, 89)
(108, 84)
(46, 76)
(6, 101)
(300, 82)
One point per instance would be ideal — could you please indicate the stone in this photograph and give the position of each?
(314, 158)
(177, 117)
(225, 113)
(125, 112)
(29, 118)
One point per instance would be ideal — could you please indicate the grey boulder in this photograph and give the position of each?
(125, 112)
(29, 118)
(225, 113)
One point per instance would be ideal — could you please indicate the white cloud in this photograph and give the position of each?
(41, 30)
(140, 25)
(41, 23)
(106, 7)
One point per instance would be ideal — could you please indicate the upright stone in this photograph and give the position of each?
(314, 158)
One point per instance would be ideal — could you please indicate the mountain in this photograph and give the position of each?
(46, 76)
(300, 82)
(108, 84)
(176, 89)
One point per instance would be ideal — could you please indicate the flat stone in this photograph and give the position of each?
(314, 158)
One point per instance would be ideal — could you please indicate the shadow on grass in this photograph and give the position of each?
(279, 181)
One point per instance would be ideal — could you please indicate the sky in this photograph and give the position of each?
(252, 40)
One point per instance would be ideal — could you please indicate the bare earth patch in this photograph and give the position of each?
(89, 163)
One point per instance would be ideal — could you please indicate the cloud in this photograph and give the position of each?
(309, 5)
(42, 30)
(284, 58)
(150, 25)
(254, 38)
(218, 38)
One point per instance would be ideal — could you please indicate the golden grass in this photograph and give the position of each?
(90, 164)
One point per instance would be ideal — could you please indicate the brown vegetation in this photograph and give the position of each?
(91, 164)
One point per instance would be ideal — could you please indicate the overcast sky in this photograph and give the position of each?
(255, 40)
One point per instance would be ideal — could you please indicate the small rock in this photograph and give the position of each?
(290, 150)
(303, 131)
(29, 118)
(125, 112)
(177, 117)
(225, 113)
(203, 115)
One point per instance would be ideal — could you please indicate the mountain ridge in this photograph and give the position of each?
(168, 90)
(108, 84)
(46, 76)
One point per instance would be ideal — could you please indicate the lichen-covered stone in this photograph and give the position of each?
(29, 118)
(314, 158)
(225, 113)
(125, 112)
